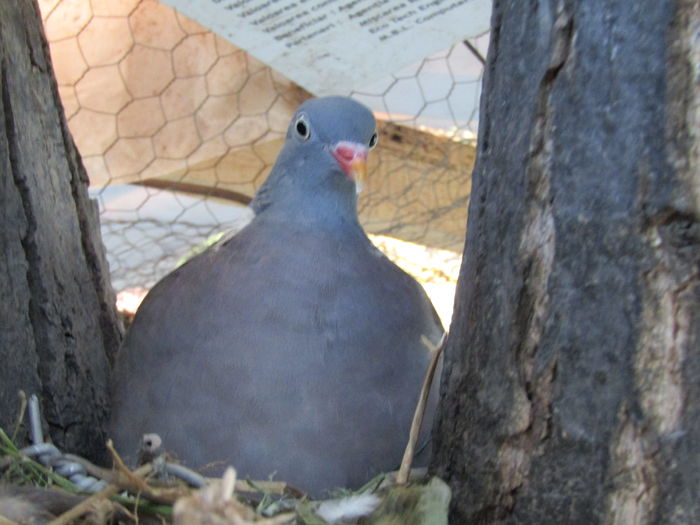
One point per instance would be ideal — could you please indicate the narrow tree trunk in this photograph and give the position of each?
(59, 326)
(571, 391)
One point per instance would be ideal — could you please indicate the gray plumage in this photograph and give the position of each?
(292, 348)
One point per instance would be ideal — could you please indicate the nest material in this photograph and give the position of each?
(149, 494)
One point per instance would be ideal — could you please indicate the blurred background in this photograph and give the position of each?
(178, 127)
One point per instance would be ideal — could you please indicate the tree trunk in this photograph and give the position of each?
(59, 325)
(571, 391)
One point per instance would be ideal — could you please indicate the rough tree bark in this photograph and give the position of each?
(59, 325)
(571, 391)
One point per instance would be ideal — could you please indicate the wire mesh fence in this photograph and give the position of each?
(178, 127)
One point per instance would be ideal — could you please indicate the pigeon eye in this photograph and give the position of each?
(373, 140)
(302, 128)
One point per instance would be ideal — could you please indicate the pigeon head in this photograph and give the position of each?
(339, 126)
(322, 165)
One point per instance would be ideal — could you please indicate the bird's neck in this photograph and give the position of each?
(320, 213)
(324, 203)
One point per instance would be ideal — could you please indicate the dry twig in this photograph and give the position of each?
(407, 460)
(86, 505)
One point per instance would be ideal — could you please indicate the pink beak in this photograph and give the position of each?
(352, 158)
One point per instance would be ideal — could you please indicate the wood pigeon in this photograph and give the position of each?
(293, 348)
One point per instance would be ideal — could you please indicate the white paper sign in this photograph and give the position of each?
(335, 46)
